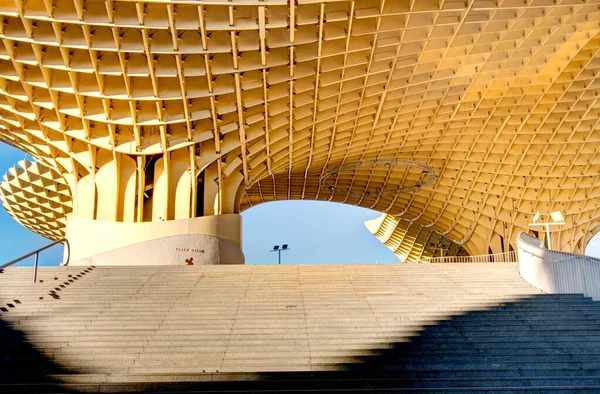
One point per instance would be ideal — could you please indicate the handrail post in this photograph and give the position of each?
(36, 253)
(35, 266)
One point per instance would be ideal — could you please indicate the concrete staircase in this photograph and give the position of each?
(308, 328)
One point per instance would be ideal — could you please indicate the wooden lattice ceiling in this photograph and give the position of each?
(411, 242)
(499, 97)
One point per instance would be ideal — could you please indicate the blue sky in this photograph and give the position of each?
(317, 232)
(16, 240)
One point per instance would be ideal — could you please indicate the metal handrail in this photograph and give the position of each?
(36, 254)
(557, 272)
(567, 255)
(483, 258)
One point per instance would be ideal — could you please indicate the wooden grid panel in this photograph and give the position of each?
(410, 241)
(37, 197)
(504, 108)
(500, 97)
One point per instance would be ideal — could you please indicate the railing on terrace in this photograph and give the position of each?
(562, 257)
(505, 257)
(558, 272)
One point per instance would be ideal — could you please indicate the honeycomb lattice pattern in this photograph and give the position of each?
(410, 241)
(37, 197)
(499, 97)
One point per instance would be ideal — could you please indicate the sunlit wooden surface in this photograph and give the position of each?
(260, 98)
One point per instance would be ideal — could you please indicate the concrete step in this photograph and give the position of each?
(456, 328)
(323, 384)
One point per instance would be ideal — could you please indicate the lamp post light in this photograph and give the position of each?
(277, 249)
(557, 220)
(439, 246)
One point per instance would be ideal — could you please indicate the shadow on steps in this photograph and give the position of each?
(543, 343)
(23, 367)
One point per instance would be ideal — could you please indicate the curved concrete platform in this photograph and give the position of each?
(558, 272)
(189, 249)
(199, 241)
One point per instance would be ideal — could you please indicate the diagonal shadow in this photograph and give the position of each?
(542, 343)
(23, 366)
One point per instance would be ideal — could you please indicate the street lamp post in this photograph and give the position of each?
(277, 249)
(439, 247)
(557, 220)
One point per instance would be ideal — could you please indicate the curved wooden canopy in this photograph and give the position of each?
(411, 242)
(499, 97)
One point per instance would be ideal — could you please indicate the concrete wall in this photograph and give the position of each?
(191, 249)
(557, 272)
(208, 240)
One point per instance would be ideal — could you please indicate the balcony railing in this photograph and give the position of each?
(506, 257)
(558, 272)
